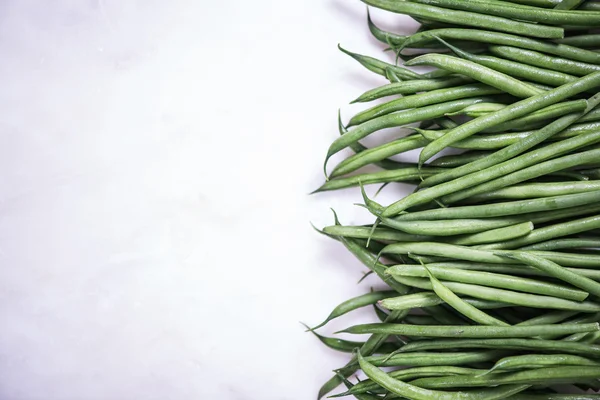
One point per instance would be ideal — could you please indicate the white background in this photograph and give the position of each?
(154, 218)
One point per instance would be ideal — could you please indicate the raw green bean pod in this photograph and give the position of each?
(379, 67)
(541, 360)
(588, 40)
(411, 87)
(538, 376)
(354, 304)
(347, 346)
(468, 18)
(497, 280)
(421, 100)
(537, 345)
(483, 74)
(538, 59)
(499, 38)
(537, 190)
(448, 227)
(561, 244)
(414, 392)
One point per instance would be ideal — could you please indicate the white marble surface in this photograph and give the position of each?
(154, 219)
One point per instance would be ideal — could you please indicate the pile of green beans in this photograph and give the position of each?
(492, 264)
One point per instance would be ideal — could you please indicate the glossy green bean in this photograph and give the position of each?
(363, 232)
(568, 4)
(471, 331)
(378, 153)
(464, 308)
(537, 190)
(429, 299)
(588, 40)
(508, 10)
(541, 360)
(381, 35)
(427, 359)
(451, 161)
(552, 317)
(423, 99)
(478, 110)
(396, 119)
(410, 87)
(490, 37)
(411, 373)
(379, 67)
(538, 376)
(495, 235)
(408, 174)
(507, 296)
(347, 346)
(417, 393)
(489, 76)
(535, 58)
(359, 396)
(468, 18)
(354, 304)
(550, 232)
(561, 244)
(549, 203)
(512, 111)
(497, 280)
(555, 270)
(524, 174)
(448, 227)
(514, 68)
(538, 345)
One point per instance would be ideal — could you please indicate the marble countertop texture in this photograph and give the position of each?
(156, 159)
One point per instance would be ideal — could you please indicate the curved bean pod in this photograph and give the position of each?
(380, 67)
(483, 74)
(537, 190)
(541, 360)
(448, 227)
(542, 60)
(410, 87)
(467, 18)
(489, 279)
(489, 37)
(417, 393)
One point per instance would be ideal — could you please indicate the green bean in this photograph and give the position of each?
(461, 306)
(556, 271)
(381, 35)
(551, 346)
(399, 118)
(448, 227)
(452, 161)
(541, 360)
(468, 18)
(541, 169)
(553, 317)
(478, 72)
(420, 320)
(410, 301)
(537, 190)
(507, 10)
(495, 235)
(421, 100)
(410, 87)
(511, 269)
(549, 232)
(587, 40)
(489, 279)
(354, 304)
(446, 122)
(515, 69)
(508, 296)
(347, 346)
(359, 396)
(512, 111)
(408, 174)
(378, 153)
(478, 110)
(549, 203)
(540, 376)
(561, 244)
(410, 373)
(362, 232)
(427, 359)
(590, 5)
(417, 393)
(535, 58)
(379, 67)
(499, 38)
(469, 331)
